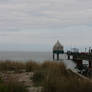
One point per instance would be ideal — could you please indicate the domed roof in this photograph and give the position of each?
(58, 46)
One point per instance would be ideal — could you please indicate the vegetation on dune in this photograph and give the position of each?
(32, 66)
(29, 66)
(12, 86)
(52, 76)
(11, 66)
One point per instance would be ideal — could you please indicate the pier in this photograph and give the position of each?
(77, 57)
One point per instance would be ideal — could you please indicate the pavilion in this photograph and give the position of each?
(57, 50)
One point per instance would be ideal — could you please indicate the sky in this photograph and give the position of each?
(35, 25)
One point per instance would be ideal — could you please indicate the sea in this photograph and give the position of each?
(23, 56)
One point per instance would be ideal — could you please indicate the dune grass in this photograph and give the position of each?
(11, 66)
(52, 76)
(32, 66)
(16, 66)
(12, 86)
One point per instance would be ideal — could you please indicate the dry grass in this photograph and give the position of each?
(32, 66)
(29, 66)
(11, 66)
(12, 86)
(52, 76)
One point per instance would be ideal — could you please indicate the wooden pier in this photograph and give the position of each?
(78, 59)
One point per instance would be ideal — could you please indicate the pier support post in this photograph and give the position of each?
(68, 57)
(90, 63)
(53, 56)
(57, 56)
(79, 62)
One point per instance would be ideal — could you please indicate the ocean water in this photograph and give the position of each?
(26, 56)
(35, 56)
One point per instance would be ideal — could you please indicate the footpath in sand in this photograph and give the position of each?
(24, 78)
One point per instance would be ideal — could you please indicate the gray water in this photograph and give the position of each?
(26, 56)
(35, 56)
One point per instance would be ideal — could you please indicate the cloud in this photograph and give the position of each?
(27, 14)
(42, 22)
(67, 36)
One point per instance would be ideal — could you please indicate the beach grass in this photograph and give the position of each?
(54, 77)
(51, 76)
(12, 86)
(11, 66)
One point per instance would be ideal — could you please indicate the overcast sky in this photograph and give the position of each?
(35, 25)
